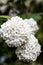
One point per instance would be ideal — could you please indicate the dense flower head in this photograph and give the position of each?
(14, 31)
(29, 51)
(20, 33)
(33, 24)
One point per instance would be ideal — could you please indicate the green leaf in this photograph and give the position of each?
(39, 36)
(23, 16)
(1, 22)
(37, 17)
(33, 63)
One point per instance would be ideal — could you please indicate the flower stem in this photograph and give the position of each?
(4, 17)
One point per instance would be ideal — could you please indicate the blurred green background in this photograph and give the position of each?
(24, 9)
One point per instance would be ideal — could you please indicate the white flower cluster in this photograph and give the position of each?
(29, 51)
(20, 33)
(15, 31)
(33, 24)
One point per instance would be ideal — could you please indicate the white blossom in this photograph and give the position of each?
(30, 50)
(20, 33)
(15, 31)
(33, 24)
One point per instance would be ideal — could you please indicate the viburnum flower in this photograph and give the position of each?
(20, 33)
(29, 51)
(16, 31)
(33, 24)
